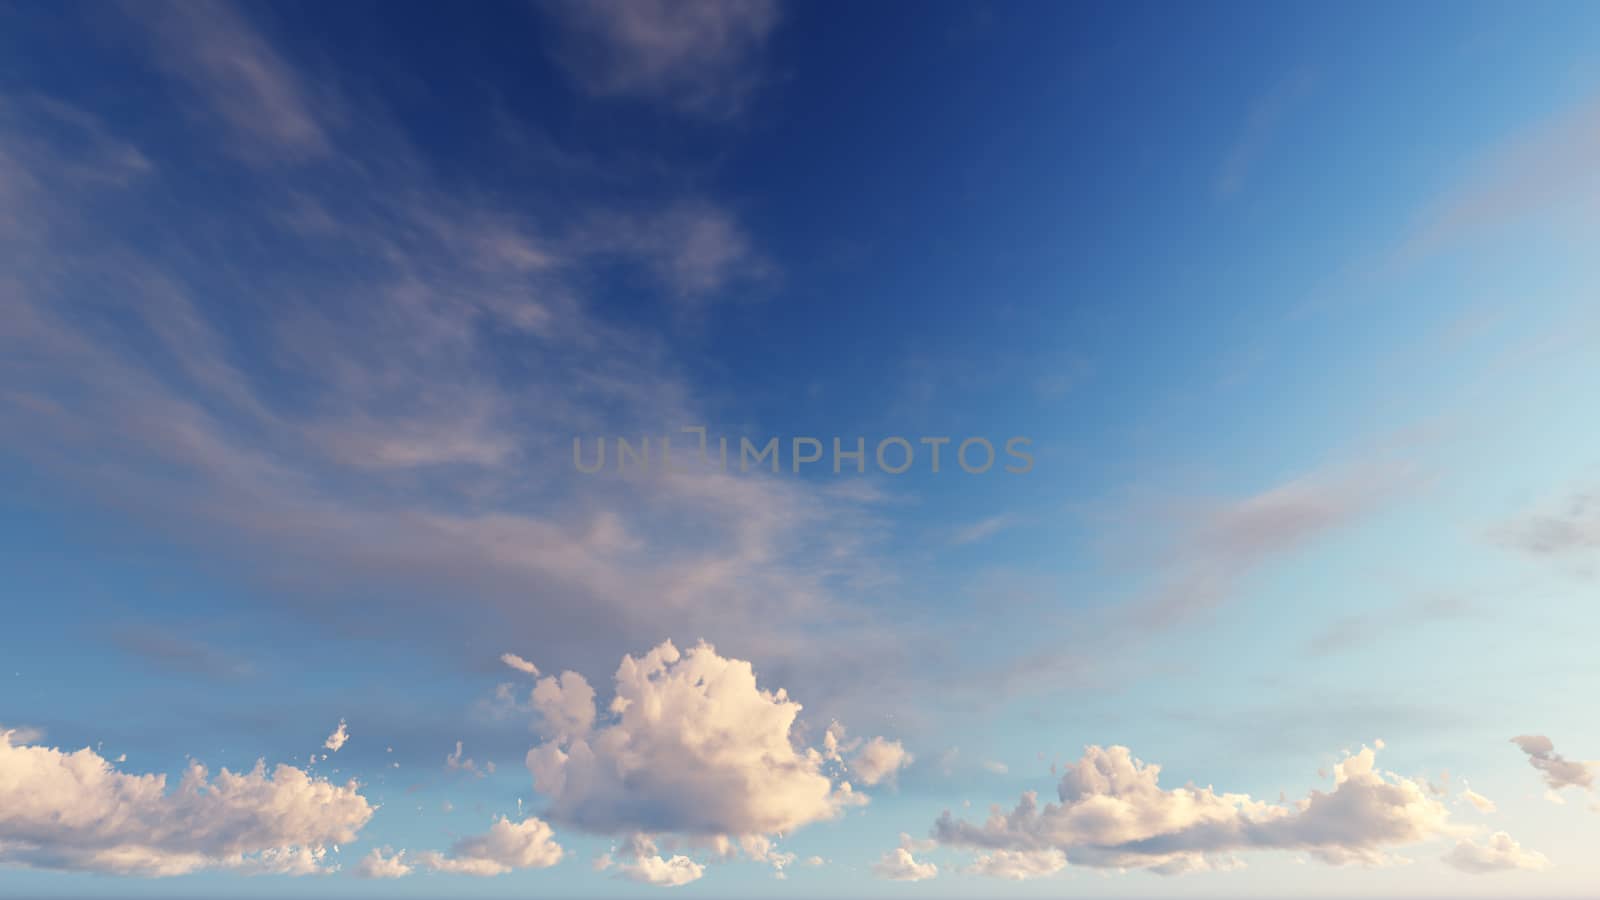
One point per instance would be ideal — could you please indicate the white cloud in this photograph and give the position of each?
(1482, 803)
(995, 766)
(1498, 854)
(377, 864)
(338, 738)
(518, 663)
(663, 872)
(1113, 813)
(529, 844)
(879, 760)
(647, 866)
(1019, 865)
(76, 811)
(900, 864)
(566, 704)
(692, 746)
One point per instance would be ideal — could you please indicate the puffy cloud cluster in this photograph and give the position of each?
(1498, 854)
(873, 761)
(507, 846)
(645, 864)
(692, 749)
(1019, 865)
(1559, 772)
(384, 863)
(1112, 812)
(529, 844)
(901, 864)
(75, 811)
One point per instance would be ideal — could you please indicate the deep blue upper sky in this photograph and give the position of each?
(302, 306)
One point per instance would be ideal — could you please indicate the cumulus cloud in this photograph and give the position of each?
(1112, 812)
(338, 738)
(1498, 854)
(646, 865)
(565, 703)
(699, 56)
(384, 864)
(901, 864)
(1559, 772)
(1019, 865)
(691, 746)
(76, 811)
(872, 761)
(529, 844)
(879, 760)
(518, 663)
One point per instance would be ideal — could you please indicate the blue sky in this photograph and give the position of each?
(304, 307)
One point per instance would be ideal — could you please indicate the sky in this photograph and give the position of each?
(1161, 450)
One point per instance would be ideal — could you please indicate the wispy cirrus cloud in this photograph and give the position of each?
(212, 48)
(389, 399)
(701, 57)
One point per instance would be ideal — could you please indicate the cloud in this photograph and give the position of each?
(565, 703)
(900, 864)
(22, 734)
(1112, 813)
(692, 746)
(647, 866)
(1498, 854)
(213, 50)
(694, 248)
(377, 864)
(165, 650)
(700, 57)
(1480, 802)
(529, 844)
(1019, 865)
(1349, 632)
(1559, 772)
(75, 811)
(996, 767)
(338, 738)
(879, 760)
(982, 530)
(1549, 166)
(1568, 531)
(518, 663)
(410, 457)
(458, 761)
(1264, 121)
